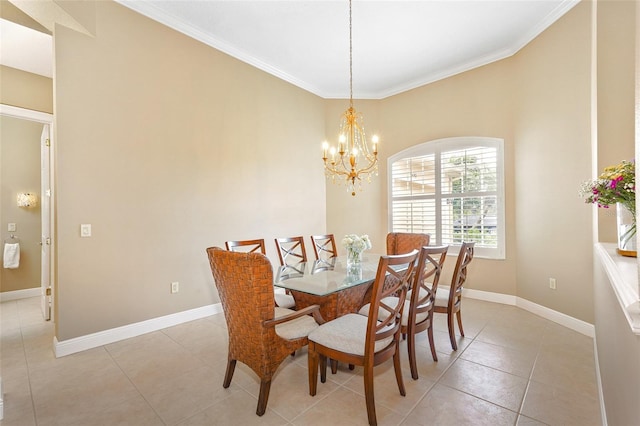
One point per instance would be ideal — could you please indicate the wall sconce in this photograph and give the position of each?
(27, 199)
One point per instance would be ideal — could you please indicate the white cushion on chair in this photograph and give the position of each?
(422, 294)
(347, 333)
(284, 300)
(294, 329)
(393, 301)
(442, 297)
(382, 313)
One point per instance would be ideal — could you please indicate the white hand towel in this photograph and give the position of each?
(11, 255)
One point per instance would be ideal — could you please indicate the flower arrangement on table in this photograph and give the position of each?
(355, 245)
(615, 185)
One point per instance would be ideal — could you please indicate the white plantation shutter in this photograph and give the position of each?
(452, 189)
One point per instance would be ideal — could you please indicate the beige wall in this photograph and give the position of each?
(20, 172)
(11, 13)
(167, 146)
(615, 104)
(553, 156)
(26, 90)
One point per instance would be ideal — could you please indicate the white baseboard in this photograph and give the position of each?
(82, 343)
(487, 296)
(574, 324)
(20, 294)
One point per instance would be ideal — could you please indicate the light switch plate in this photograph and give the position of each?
(11, 227)
(85, 230)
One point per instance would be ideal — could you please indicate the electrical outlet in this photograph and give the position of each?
(175, 287)
(552, 283)
(85, 230)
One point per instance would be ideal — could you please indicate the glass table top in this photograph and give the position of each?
(322, 277)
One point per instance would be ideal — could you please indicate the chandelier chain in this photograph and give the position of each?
(350, 59)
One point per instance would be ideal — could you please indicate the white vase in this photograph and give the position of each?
(627, 239)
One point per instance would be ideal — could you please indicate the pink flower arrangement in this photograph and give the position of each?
(616, 184)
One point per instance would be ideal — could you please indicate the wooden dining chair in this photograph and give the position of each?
(399, 243)
(404, 242)
(282, 299)
(366, 341)
(324, 246)
(260, 335)
(417, 315)
(291, 251)
(247, 246)
(449, 300)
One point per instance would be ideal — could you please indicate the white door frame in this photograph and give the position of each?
(45, 119)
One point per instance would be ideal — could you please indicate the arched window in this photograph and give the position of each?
(453, 189)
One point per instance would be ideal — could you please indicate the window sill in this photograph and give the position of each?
(623, 276)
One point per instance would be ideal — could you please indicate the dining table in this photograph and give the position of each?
(338, 288)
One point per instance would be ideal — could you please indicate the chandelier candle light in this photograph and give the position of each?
(352, 143)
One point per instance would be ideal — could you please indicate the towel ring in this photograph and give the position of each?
(12, 239)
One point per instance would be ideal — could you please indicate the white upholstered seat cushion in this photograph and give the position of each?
(294, 329)
(393, 301)
(442, 297)
(347, 333)
(283, 299)
(422, 294)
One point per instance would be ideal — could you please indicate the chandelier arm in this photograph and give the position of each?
(366, 171)
(336, 171)
(339, 173)
(347, 169)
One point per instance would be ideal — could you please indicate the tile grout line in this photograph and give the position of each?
(238, 385)
(204, 361)
(26, 361)
(106, 349)
(437, 381)
(518, 412)
(533, 367)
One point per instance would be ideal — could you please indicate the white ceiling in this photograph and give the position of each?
(397, 45)
(25, 49)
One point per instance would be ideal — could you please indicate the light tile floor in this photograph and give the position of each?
(512, 368)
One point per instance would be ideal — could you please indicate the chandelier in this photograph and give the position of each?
(353, 159)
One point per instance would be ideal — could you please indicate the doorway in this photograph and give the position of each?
(43, 124)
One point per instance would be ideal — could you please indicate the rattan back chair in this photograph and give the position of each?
(282, 299)
(449, 300)
(260, 334)
(366, 341)
(404, 242)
